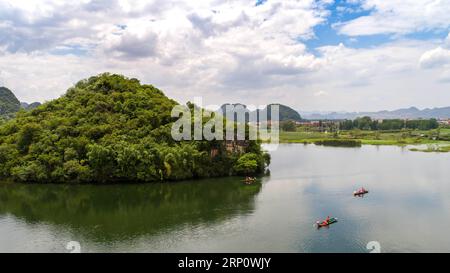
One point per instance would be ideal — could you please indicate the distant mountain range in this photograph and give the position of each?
(29, 106)
(286, 112)
(406, 113)
(9, 104)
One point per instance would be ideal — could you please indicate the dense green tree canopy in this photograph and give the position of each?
(109, 128)
(288, 126)
(366, 123)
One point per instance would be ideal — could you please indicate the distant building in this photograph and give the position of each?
(319, 123)
(309, 123)
(444, 121)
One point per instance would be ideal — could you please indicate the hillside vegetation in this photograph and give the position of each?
(110, 128)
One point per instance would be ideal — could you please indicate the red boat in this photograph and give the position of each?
(360, 192)
(329, 222)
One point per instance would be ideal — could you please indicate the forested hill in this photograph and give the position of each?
(286, 112)
(8, 102)
(110, 128)
(10, 105)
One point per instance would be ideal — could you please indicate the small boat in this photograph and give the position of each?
(360, 192)
(249, 180)
(332, 220)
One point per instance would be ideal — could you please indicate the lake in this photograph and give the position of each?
(407, 209)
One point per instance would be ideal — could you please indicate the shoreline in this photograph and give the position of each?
(132, 183)
(437, 140)
(439, 146)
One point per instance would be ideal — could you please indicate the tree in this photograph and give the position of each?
(288, 126)
(26, 135)
(364, 123)
(346, 125)
(247, 164)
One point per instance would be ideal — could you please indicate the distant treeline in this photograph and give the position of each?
(366, 123)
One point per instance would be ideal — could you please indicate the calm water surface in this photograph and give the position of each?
(407, 209)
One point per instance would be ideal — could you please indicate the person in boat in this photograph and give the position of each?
(326, 221)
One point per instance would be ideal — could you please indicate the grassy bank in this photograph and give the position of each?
(400, 138)
(431, 148)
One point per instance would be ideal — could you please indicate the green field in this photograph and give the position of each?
(402, 137)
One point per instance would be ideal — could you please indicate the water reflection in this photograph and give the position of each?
(407, 208)
(121, 212)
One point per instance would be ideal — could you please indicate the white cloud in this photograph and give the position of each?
(320, 93)
(225, 51)
(213, 44)
(437, 57)
(398, 17)
(137, 41)
(383, 77)
(437, 60)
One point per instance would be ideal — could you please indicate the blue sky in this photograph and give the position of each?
(341, 11)
(327, 34)
(342, 55)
